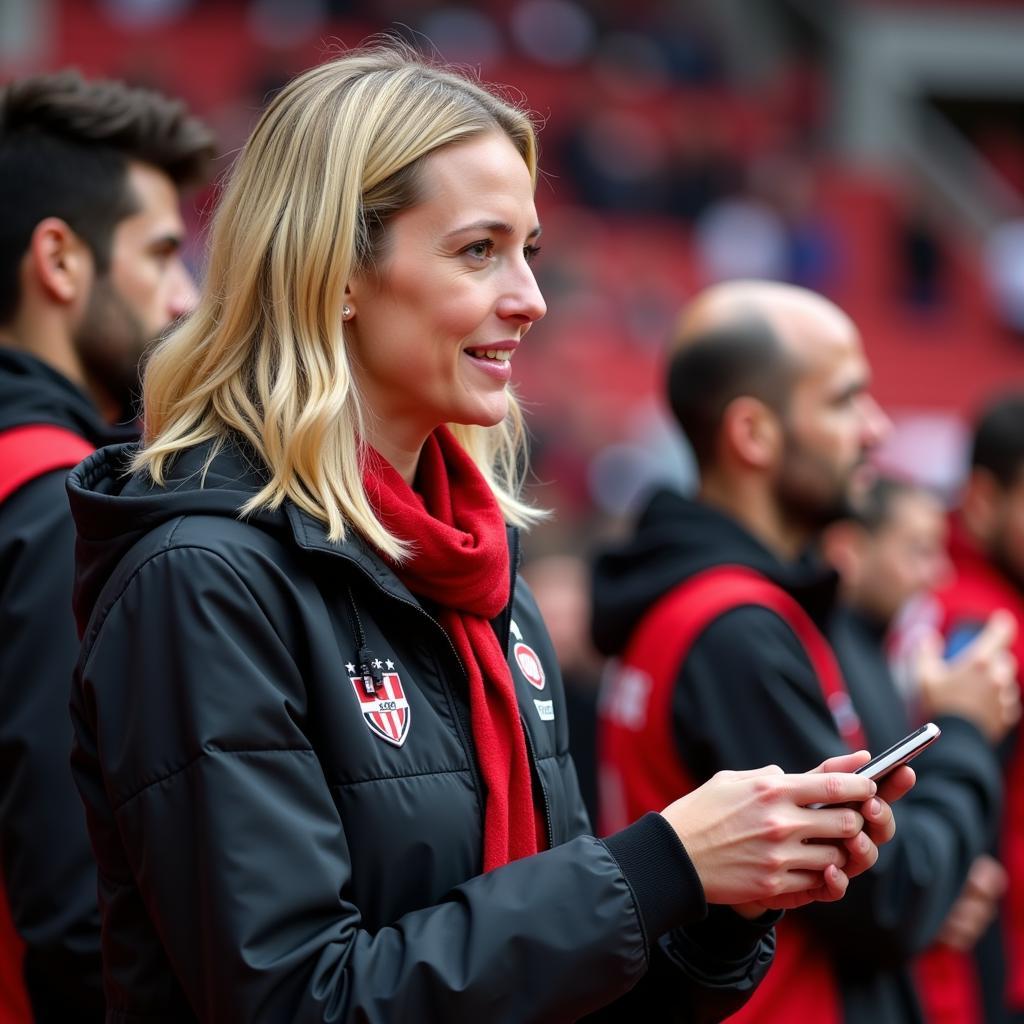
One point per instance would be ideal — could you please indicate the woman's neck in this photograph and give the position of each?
(402, 455)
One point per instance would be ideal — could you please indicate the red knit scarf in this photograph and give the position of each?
(460, 561)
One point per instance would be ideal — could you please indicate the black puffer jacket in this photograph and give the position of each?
(45, 860)
(268, 852)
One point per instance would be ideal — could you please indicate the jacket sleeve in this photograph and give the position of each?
(747, 696)
(209, 801)
(47, 863)
(702, 972)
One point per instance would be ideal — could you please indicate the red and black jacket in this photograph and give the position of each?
(976, 590)
(49, 922)
(746, 694)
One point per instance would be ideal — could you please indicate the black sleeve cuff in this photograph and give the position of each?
(730, 936)
(664, 881)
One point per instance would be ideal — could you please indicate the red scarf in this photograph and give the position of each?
(460, 561)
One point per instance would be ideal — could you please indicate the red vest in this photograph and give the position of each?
(26, 453)
(641, 769)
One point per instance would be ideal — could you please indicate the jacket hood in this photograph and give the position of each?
(113, 508)
(676, 537)
(31, 392)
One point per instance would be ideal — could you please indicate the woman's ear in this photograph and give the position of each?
(60, 261)
(751, 432)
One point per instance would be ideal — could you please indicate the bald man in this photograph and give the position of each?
(717, 617)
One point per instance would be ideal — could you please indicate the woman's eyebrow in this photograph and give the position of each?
(499, 226)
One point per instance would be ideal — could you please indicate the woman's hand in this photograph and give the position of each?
(879, 822)
(862, 849)
(747, 835)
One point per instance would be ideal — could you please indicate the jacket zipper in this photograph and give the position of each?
(474, 770)
(372, 675)
(546, 804)
(477, 780)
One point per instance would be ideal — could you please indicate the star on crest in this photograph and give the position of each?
(390, 664)
(349, 667)
(377, 663)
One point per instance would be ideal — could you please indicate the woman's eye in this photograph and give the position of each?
(480, 250)
(531, 252)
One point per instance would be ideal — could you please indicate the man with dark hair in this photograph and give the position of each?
(90, 275)
(717, 616)
(987, 550)
(891, 550)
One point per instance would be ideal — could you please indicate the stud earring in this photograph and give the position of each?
(346, 312)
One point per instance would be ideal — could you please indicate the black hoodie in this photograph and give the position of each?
(746, 696)
(45, 857)
(266, 854)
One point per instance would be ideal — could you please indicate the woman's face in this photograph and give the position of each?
(435, 325)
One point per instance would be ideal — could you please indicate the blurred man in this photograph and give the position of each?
(718, 619)
(90, 274)
(891, 550)
(987, 549)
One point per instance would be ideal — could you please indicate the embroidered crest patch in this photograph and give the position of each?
(385, 711)
(529, 664)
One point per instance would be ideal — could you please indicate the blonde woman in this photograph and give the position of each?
(320, 731)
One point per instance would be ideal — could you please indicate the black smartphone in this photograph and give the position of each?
(900, 753)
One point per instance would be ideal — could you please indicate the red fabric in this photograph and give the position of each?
(26, 453)
(641, 769)
(14, 1005)
(30, 451)
(976, 590)
(947, 982)
(460, 561)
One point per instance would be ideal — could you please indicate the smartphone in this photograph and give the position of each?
(900, 753)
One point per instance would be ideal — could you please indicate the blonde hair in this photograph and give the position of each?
(331, 161)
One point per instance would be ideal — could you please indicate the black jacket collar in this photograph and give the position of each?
(675, 538)
(32, 392)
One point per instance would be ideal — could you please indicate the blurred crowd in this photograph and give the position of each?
(667, 175)
(664, 143)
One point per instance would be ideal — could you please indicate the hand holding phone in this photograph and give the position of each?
(898, 754)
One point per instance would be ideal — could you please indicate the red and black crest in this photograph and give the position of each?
(529, 664)
(386, 710)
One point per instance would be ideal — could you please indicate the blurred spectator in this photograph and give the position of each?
(987, 549)
(789, 182)
(559, 33)
(742, 237)
(561, 587)
(891, 551)
(463, 34)
(620, 161)
(90, 274)
(703, 169)
(922, 255)
(717, 620)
